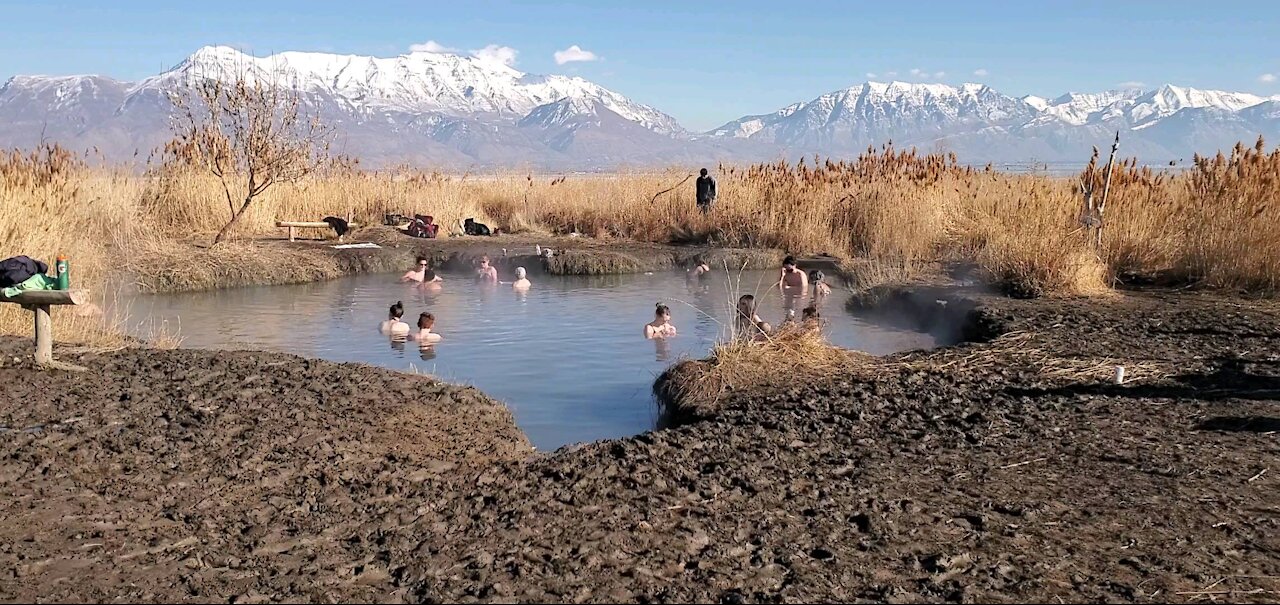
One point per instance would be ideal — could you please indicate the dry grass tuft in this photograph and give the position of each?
(175, 266)
(700, 388)
(603, 262)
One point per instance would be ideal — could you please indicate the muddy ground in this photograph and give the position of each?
(1008, 471)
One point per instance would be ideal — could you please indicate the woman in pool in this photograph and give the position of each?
(698, 272)
(430, 281)
(820, 287)
(426, 322)
(661, 326)
(394, 325)
(522, 282)
(747, 324)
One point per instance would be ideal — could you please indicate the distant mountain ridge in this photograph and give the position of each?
(982, 124)
(438, 109)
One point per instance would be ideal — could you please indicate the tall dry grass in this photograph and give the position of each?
(52, 204)
(893, 210)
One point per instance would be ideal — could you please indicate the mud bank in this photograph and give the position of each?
(190, 267)
(1011, 470)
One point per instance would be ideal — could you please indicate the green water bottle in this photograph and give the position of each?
(64, 273)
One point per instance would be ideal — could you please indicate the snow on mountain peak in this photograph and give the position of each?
(874, 109)
(1039, 103)
(418, 82)
(1169, 99)
(1136, 107)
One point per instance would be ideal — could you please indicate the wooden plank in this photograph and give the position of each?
(48, 297)
(310, 224)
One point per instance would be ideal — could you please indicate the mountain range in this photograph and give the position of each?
(445, 110)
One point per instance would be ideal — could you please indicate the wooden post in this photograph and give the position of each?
(1106, 189)
(38, 302)
(44, 335)
(291, 231)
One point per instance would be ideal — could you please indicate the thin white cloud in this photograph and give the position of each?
(981, 72)
(431, 46)
(917, 72)
(497, 54)
(871, 76)
(891, 74)
(1132, 85)
(1267, 78)
(573, 54)
(938, 75)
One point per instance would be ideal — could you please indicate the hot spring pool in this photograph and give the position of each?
(569, 356)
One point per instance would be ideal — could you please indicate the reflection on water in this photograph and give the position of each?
(568, 355)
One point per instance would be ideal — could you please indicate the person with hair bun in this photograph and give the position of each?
(394, 325)
(661, 326)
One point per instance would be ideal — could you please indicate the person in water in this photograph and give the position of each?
(426, 322)
(747, 324)
(811, 320)
(820, 287)
(698, 272)
(430, 281)
(486, 273)
(394, 325)
(417, 274)
(793, 282)
(661, 326)
(522, 282)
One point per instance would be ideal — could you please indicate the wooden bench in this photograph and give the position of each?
(39, 301)
(293, 226)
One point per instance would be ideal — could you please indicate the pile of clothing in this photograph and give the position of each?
(21, 273)
(423, 225)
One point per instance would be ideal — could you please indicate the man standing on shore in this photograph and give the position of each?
(706, 191)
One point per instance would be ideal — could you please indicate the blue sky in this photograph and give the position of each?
(704, 62)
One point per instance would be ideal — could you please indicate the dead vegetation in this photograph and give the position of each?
(697, 388)
(700, 388)
(892, 214)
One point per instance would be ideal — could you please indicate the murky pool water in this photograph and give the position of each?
(569, 356)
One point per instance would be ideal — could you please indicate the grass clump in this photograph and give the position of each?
(699, 388)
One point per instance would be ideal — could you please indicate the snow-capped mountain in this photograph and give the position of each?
(385, 109)
(981, 124)
(877, 111)
(1136, 107)
(419, 82)
(448, 110)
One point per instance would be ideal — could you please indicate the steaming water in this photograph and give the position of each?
(569, 357)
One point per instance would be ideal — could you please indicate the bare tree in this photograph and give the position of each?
(250, 131)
